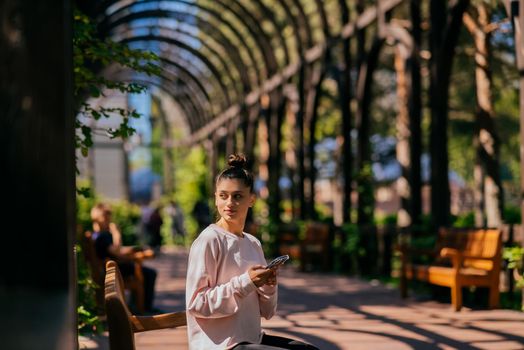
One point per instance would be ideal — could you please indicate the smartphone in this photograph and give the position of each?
(277, 261)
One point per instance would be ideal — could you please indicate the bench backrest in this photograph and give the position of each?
(484, 243)
(121, 335)
(316, 232)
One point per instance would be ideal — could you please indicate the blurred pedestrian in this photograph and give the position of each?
(154, 228)
(178, 229)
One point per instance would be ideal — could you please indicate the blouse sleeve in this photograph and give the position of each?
(204, 298)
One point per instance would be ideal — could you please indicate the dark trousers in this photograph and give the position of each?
(272, 342)
(128, 269)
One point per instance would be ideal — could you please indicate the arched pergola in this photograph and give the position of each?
(246, 50)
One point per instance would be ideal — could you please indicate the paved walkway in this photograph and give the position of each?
(337, 312)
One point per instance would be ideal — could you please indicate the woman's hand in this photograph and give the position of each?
(261, 276)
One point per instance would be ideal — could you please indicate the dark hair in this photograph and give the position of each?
(237, 170)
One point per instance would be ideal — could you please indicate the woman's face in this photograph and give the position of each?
(233, 199)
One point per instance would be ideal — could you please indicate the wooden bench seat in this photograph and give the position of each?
(122, 324)
(462, 258)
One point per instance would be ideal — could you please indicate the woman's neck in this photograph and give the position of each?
(232, 227)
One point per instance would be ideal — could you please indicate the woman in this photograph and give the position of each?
(228, 289)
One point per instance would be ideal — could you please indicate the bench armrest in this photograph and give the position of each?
(143, 254)
(455, 255)
(168, 320)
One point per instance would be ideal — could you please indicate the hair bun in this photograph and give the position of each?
(237, 160)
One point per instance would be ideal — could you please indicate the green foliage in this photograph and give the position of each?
(512, 215)
(390, 219)
(464, 220)
(84, 203)
(328, 112)
(88, 321)
(347, 247)
(352, 244)
(269, 232)
(515, 257)
(190, 183)
(90, 55)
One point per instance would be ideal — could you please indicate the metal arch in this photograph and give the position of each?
(299, 30)
(267, 14)
(296, 28)
(312, 55)
(222, 40)
(266, 48)
(147, 80)
(325, 23)
(182, 45)
(173, 76)
(169, 79)
(190, 75)
(304, 23)
(191, 80)
(194, 52)
(178, 94)
(234, 30)
(195, 71)
(171, 57)
(238, 63)
(218, 17)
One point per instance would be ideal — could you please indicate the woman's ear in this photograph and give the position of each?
(252, 200)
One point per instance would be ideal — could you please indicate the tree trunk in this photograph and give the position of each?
(366, 199)
(488, 141)
(443, 38)
(403, 146)
(414, 101)
(344, 90)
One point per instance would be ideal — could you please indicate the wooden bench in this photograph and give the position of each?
(133, 283)
(122, 324)
(463, 257)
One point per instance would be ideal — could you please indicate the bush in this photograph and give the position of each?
(464, 220)
(512, 215)
(87, 309)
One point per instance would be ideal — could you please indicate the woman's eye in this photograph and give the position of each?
(223, 196)
(237, 196)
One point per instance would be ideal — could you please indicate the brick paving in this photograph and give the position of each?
(337, 313)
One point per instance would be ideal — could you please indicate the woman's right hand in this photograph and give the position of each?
(260, 275)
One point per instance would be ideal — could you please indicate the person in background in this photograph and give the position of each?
(202, 214)
(228, 288)
(105, 234)
(178, 229)
(154, 227)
